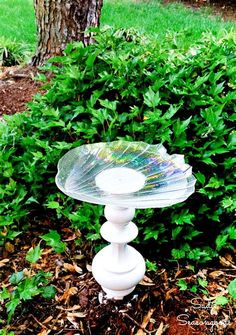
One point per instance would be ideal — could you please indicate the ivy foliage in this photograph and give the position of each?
(126, 86)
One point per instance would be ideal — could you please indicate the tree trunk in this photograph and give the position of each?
(60, 22)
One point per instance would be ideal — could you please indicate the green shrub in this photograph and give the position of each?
(26, 285)
(13, 53)
(126, 86)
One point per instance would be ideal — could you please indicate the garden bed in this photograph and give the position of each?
(225, 9)
(159, 305)
(17, 87)
(174, 298)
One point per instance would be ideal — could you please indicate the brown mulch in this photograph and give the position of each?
(226, 9)
(17, 87)
(157, 306)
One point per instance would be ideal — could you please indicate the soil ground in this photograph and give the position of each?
(226, 9)
(17, 87)
(157, 305)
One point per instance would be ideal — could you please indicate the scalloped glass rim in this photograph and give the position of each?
(168, 179)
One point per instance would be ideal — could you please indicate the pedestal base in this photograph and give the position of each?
(117, 295)
(118, 278)
(118, 268)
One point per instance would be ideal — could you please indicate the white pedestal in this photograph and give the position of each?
(118, 267)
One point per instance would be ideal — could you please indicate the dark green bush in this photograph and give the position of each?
(125, 86)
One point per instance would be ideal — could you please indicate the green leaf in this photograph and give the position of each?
(53, 239)
(221, 300)
(176, 231)
(91, 59)
(16, 277)
(220, 241)
(180, 126)
(204, 291)
(53, 204)
(5, 294)
(193, 289)
(232, 288)
(197, 254)
(213, 117)
(34, 254)
(200, 80)
(11, 307)
(152, 99)
(151, 266)
(108, 104)
(232, 232)
(48, 292)
(6, 332)
(209, 161)
(214, 183)
(31, 200)
(183, 217)
(191, 233)
(202, 282)
(200, 177)
(178, 253)
(182, 285)
(227, 202)
(173, 109)
(28, 289)
(151, 233)
(12, 234)
(42, 277)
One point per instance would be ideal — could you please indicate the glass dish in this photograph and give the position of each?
(125, 174)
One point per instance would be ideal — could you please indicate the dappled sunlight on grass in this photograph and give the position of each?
(17, 20)
(154, 18)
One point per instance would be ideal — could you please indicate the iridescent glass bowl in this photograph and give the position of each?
(126, 174)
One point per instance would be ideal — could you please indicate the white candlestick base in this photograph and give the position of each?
(117, 295)
(118, 268)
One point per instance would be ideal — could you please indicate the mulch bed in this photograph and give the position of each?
(157, 306)
(17, 87)
(226, 9)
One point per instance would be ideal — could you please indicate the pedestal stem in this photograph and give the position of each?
(119, 252)
(118, 267)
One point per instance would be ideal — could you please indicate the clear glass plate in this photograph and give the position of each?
(126, 174)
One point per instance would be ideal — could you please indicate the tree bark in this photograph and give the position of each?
(60, 22)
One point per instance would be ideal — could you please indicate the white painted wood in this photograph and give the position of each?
(118, 268)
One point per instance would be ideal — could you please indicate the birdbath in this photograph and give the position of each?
(123, 176)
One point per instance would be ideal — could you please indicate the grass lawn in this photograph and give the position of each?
(17, 20)
(154, 18)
